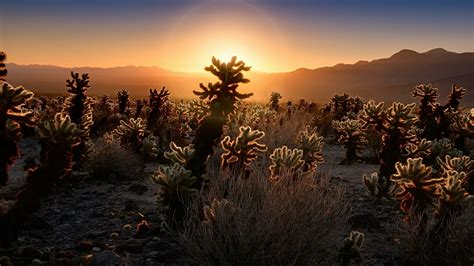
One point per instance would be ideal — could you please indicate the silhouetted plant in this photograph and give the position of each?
(242, 151)
(222, 96)
(79, 108)
(274, 102)
(59, 136)
(3, 68)
(139, 108)
(159, 109)
(352, 136)
(11, 118)
(395, 124)
(123, 102)
(351, 248)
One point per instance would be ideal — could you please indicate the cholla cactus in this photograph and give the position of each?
(217, 207)
(455, 96)
(180, 155)
(176, 187)
(79, 108)
(149, 147)
(286, 161)
(123, 101)
(243, 150)
(417, 188)
(352, 246)
(131, 132)
(59, 137)
(395, 124)
(11, 117)
(159, 104)
(453, 193)
(311, 143)
(274, 102)
(422, 149)
(375, 184)
(222, 97)
(458, 164)
(3, 68)
(351, 136)
(427, 120)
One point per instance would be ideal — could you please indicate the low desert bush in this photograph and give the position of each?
(258, 221)
(451, 245)
(111, 160)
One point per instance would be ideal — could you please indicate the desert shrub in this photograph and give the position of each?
(450, 246)
(261, 222)
(110, 159)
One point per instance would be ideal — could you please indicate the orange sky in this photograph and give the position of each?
(184, 37)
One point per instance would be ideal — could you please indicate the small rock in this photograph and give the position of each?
(105, 258)
(95, 249)
(97, 234)
(85, 245)
(36, 262)
(138, 189)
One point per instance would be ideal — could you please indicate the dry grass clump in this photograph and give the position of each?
(451, 245)
(110, 160)
(257, 221)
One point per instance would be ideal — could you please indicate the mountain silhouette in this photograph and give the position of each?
(388, 79)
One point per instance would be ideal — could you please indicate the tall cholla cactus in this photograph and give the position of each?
(159, 109)
(242, 151)
(395, 123)
(311, 143)
(11, 117)
(180, 155)
(453, 193)
(351, 248)
(351, 136)
(427, 120)
(59, 136)
(131, 132)
(416, 187)
(274, 102)
(176, 187)
(123, 101)
(79, 108)
(222, 97)
(286, 161)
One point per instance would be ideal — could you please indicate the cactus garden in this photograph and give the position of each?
(240, 132)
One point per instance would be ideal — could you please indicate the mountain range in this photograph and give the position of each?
(387, 79)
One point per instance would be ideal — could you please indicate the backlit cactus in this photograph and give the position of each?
(452, 192)
(375, 184)
(11, 118)
(458, 164)
(395, 123)
(131, 132)
(79, 108)
(159, 110)
(59, 137)
(311, 143)
(176, 187)
(149, 147)
(351, 136)
(416, 187)
(180, 155)
(242, 151)
(123, 101)
(274, 101)
(3, 68)
(351, 248)
(286, 161)
(428, 105)
(222, 97)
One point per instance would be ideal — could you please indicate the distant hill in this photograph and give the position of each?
(386, 79)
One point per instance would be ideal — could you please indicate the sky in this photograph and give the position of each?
(271, 36)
